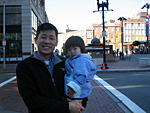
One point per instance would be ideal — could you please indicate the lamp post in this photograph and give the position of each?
(104, 4)
(121, 19)
(147, 23)
(4, 41)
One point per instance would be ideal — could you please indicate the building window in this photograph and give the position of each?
(132, 25)
(125, 25)
(101, 29)
(129, 32)
(143, 25)
(12, 15)
(139, 25)
(136, 25)
(112, 29)
(34, 20)
(112, 36)
(140, 32)
(89, 35)
(126, 32)
(89, 41)
(129, 25)
(95, 29)
(117, 29)
(143, 32)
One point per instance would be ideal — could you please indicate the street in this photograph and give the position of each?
(6, 76)
(135, 85)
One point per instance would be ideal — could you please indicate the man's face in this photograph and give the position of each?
(46, 43)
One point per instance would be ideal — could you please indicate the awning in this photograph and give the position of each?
(136, 43)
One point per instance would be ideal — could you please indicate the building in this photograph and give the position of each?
(135, 30)
(112, 33)
(86, 35)
(21, 20)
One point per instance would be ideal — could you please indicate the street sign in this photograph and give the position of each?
(121, 34)
(103, 33)
(4, 42)
(147, 26)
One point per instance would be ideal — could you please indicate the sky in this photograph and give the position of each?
(78, 14)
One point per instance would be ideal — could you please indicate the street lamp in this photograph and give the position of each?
(121, 19)
(103, 5)
(4, 41)
(147, 23)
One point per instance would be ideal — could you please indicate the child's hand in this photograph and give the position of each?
(71, 92)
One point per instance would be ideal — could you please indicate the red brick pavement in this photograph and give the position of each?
(99, 101)
(111, 65)
(10, 98)
(123, 65)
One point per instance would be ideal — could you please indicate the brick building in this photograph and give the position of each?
(134, 30)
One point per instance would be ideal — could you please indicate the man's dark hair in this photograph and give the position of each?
(46, 26)
(75, 41)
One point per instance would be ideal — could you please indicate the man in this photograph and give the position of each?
(40, 77)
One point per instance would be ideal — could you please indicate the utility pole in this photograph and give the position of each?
(121, 19)
(4, 41)
(147, 24)
(104, 4)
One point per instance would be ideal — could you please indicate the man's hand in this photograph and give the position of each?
(75, 106)
(71, 92)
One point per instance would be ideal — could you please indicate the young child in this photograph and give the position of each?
(80, 70)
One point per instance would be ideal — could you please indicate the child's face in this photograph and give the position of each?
(73, 51)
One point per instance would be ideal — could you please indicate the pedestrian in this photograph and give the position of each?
(117, 52)
(120, 54)
(40, 77)
(80, 70)
(114, 53)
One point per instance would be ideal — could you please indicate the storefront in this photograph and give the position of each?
(13, 34)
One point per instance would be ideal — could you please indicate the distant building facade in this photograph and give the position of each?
(112, 32)
(134, 30)
(86, 35)
(21, 20)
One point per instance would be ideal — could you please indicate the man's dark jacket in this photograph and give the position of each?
(40, 93)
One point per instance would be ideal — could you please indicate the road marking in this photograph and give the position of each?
(7, 81)
(125, 100)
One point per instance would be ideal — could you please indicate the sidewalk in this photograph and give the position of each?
(123, 66)
(99, 100)
(120, 65)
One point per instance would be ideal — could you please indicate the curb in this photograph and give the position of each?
(123, 70)
(127, 105)
(7, 71)
(104, 71)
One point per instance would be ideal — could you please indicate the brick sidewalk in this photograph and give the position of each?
(10, 99)
(112, 65)
(99, 101)
(123, 65)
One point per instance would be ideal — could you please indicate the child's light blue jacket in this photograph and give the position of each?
(80, 71)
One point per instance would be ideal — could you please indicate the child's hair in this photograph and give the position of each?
(46, 26)
(75, 41)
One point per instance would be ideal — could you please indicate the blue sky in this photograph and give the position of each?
(78, 14)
